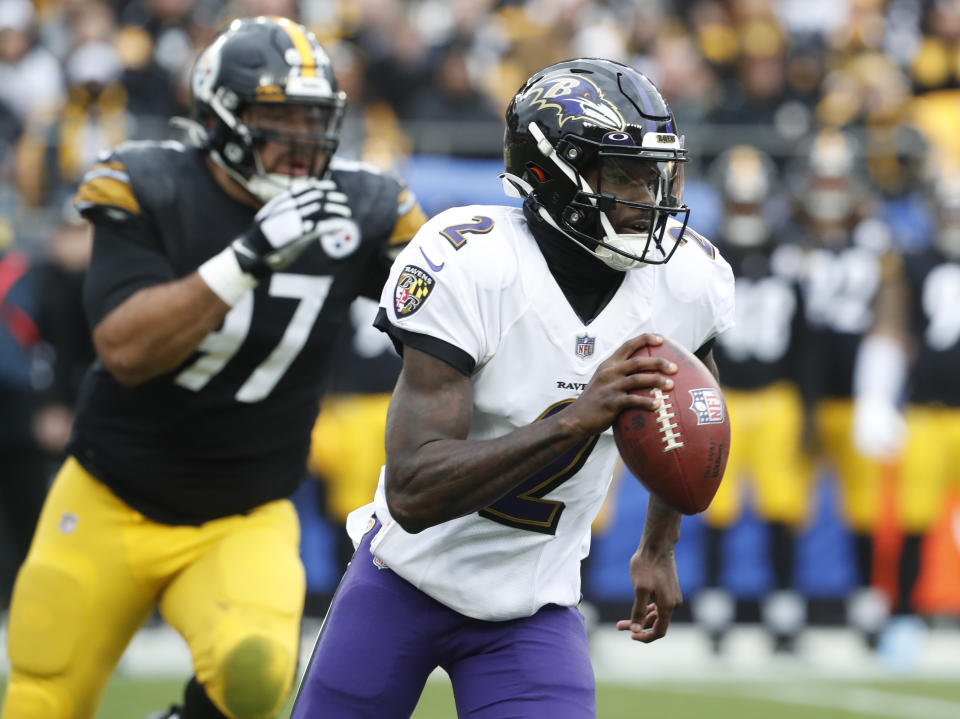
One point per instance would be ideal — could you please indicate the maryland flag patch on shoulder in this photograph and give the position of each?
(413, 288)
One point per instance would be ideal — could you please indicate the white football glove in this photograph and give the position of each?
(285, 226)
(878, 428)
(879, 376)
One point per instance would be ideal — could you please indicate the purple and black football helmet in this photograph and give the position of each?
(597, 117)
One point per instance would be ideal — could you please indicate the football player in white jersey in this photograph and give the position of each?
(517, 328)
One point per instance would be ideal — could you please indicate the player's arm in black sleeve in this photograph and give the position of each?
(145, 321)
(147, 318)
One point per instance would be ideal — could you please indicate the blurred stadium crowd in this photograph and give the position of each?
(825, 161)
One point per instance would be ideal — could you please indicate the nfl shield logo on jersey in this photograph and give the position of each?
(707, 404)
(585, 345)
(413, 288)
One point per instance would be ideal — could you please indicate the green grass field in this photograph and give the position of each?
(128, 698)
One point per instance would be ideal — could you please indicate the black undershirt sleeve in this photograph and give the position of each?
(126, 257)
(705, 348)
(451, 354)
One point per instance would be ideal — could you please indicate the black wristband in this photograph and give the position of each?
(247, 248)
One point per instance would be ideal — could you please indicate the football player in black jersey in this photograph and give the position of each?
(222, 271)
(908, 400)
(760, 362)
(849, 253)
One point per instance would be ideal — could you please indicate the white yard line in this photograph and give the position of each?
(858, 700)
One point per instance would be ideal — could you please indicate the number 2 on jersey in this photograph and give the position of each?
(525, 507)
(702, 242)
(455, 233)
(219, 347)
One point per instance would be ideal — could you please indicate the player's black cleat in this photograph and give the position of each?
(785, 644)
(717, 639)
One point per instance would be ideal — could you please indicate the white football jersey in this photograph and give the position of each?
(474, 278)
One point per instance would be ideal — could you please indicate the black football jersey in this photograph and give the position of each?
(934, 286)
(761, 348)
(229, 429)
(839, 288)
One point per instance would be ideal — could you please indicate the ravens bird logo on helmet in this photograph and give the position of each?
(593, 147)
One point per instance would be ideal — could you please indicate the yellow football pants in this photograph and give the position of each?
(766, 430)
(347, 450)
(859, 477)
(930, 465)
(233, 588)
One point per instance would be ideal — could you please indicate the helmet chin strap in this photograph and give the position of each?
(262, 185)
(515, 186)
(196, 132)
(268, 185)
(262, 191)
(624, 242)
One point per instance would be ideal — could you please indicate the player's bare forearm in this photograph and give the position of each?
(157, 328)
(433, 473)
(661, 529)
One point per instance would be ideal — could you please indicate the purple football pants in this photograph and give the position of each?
(382, 637)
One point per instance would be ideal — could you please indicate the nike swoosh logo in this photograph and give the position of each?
(435, 268)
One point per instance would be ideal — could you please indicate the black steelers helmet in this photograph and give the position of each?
(585, 115)
(265, 61)
(746, 178)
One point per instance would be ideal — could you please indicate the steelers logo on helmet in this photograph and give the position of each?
(413, 288)
(593, 148)
(266, 105)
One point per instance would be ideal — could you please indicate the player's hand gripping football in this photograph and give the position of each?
(608, 392)
(285, 226)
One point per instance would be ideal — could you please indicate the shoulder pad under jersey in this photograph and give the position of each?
(135, 175)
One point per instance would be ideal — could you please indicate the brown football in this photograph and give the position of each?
(679, 451)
